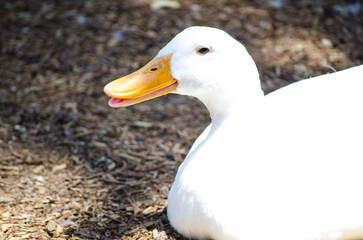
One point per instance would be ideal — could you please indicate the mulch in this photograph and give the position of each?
(73, 168)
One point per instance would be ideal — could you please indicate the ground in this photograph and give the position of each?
(73, 168)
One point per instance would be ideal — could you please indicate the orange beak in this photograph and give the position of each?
(151, 81)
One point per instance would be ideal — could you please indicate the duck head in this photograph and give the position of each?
(203, 62)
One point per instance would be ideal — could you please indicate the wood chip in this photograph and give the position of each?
(38, 169)
(54, 228)
(141, 124)
(149, 210)
(6, 227)
(59, 167)
(6, 200)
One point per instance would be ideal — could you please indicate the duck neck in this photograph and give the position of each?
(239, 102)
(239, 93)
(236, 108)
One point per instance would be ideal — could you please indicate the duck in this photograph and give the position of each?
(286, 165)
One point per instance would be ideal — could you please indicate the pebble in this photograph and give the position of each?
(81, 19)
(20, 128)
(327, 42)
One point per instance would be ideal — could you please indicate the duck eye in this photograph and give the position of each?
(203, 50)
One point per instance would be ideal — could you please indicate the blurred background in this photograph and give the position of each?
(73, 168)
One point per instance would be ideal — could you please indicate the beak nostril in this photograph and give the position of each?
(153, 69)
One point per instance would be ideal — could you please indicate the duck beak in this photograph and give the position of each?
(151, 81)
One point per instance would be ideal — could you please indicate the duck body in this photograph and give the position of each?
(288, 165)
(289, 169)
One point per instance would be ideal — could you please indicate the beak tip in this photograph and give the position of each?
(107, 89)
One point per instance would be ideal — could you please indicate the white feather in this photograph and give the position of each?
(284, 166)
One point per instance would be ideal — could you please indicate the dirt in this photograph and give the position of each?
(71, 167)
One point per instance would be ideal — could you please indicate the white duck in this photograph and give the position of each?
(286, 166)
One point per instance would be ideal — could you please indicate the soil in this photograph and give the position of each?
(73, 168)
